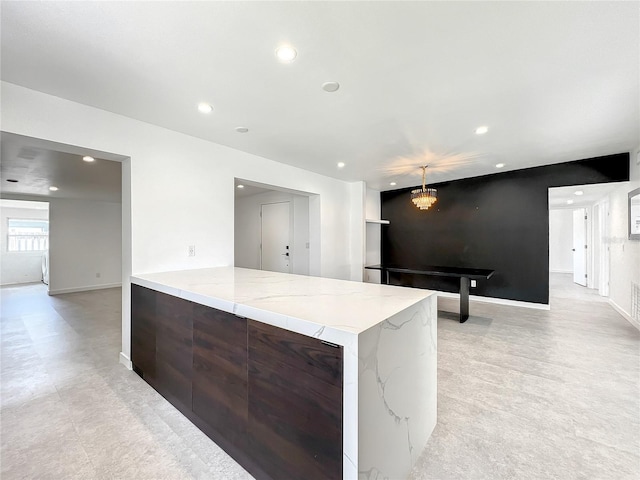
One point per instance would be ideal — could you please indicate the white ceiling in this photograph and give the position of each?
(554, 81)
(248, 190)
(38, 164)
(591, 194)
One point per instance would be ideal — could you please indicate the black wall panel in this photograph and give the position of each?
(499, 222)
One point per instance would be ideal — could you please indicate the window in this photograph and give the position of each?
(27, 235)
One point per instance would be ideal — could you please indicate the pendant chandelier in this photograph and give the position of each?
(424, 197)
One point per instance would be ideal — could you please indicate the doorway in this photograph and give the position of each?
(579, 225)
(25, 242)
(89, 194)
(276, 229)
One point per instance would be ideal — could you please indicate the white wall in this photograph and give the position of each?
(85, 245)
(248, 229)
(19, 267)
(301, 241)
(372, 235)
(561, 240)
(182, 189)
(85, 239)
(625, 253)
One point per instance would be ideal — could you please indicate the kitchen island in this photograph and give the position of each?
(293, 376)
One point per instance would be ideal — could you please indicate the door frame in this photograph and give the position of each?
(306, 241)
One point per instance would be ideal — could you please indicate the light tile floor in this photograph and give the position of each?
(70, 410)
(530, 394)
(523, 394)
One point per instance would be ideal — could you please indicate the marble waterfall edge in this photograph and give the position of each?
(389, 338)
(397, 393)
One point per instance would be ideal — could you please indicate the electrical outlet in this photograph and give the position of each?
(192, 250)
(473, 283)
(98, 275)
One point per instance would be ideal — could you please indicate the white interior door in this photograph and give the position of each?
(580, 247)
(275, 251)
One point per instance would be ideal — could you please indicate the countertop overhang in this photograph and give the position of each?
(334, 310)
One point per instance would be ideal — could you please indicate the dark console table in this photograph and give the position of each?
(464, 274)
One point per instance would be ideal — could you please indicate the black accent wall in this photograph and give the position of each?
(499, 222)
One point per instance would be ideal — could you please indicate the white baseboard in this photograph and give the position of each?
(84, 289)
(498, 301)
(560, 271)
(624, 313)
(126, 361)
(19, 284)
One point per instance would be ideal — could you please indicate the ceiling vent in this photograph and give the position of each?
(28, 153)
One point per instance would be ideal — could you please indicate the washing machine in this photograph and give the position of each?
(45, 267)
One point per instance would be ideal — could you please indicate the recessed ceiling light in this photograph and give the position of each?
(12, 180)
(569, 202)
(242, 129)
(53, 189)
(286, 54)
(578, 192)
(205, 107)
(393, 184)
(89, 159)
(482, 130)
(330, 86)
(341, 164)
(499, 165)
(240, 186)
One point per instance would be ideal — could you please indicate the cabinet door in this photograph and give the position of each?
(174, 354)
(295, 404)
(220, 372)
(143, 332)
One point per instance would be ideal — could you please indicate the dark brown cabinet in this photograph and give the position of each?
(270, 397)
(295, 404)
(161, 343)
(174, 350)
(143, 332)
(220, 372)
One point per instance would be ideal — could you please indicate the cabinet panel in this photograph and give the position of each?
(220, 372)
(272, 398)
(174, 348)
(307, 354)
(143, 332)
(295, 404)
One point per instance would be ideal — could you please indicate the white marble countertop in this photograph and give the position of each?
(308, 305)
(388, 335)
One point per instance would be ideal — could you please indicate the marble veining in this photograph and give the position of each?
(283, 299)
(397, 374)
(389, 350)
